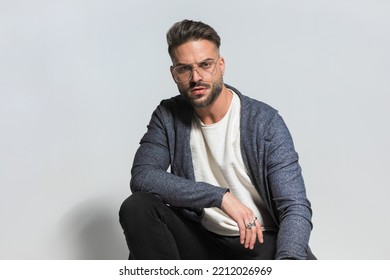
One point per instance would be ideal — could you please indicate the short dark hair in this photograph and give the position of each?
(188, 30)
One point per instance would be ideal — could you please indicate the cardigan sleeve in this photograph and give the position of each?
(286, 184)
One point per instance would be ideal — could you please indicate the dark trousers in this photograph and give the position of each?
(155, 231)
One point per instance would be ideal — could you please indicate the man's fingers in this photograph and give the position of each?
(248, 237)
(253, 238)
(242, 230)
(252, 232)
(259, 232)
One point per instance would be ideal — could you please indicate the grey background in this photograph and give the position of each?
(79, 81)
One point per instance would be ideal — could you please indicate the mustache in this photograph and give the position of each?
(199, 84)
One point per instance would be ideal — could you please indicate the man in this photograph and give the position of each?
(234, 190)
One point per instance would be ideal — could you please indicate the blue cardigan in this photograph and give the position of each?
(269, 156)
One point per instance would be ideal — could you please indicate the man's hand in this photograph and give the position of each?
(243, 216)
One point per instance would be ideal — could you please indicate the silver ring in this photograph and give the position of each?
(250, 225)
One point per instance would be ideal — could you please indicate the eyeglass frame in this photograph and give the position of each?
(212, 73)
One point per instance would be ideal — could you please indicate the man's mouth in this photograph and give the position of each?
(199, 89)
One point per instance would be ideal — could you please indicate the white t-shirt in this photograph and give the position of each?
(217, 159)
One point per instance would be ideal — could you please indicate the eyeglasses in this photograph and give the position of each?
(183, 73)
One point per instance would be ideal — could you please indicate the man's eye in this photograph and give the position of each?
(184, 69)
(205, 64)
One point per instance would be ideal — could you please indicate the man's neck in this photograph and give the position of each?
(217, 110)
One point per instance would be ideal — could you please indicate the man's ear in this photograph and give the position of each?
(222, 64)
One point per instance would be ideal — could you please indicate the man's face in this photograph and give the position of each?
(203, 85)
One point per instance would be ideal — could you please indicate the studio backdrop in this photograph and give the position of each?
(80, 79)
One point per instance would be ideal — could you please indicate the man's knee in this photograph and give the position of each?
(138, 203)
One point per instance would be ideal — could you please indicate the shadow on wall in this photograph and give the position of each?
(91, 231)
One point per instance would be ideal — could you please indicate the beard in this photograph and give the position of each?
(216, 89)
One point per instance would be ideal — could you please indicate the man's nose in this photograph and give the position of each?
(196, 76)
